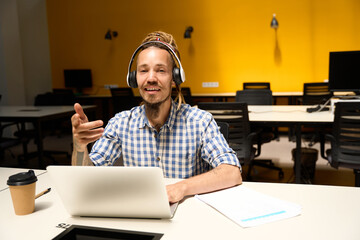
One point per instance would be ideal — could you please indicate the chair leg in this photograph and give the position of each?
(357, 177)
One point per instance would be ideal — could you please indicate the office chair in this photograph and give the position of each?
(224, 129)
(316, 93)
(123, 99)
(6, 143)
(345, 139)
(256, 85)
(186, 92)
(239, 136)
(63, 96)
(254, 96)
(264, 135)
(58, 97)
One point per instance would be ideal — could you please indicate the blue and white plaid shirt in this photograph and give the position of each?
(188, 144)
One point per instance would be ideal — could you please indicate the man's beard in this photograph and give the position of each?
(153, 108)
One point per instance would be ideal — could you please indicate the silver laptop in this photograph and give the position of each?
(131, 192)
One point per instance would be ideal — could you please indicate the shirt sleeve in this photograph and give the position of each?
(107, 149)
(216, 150)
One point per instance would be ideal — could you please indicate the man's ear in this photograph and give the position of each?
(173, 84)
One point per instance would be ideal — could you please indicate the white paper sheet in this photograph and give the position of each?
(249, 208)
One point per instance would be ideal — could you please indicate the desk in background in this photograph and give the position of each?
(104, 105)
(328, 212)
(38, 115)
(290, 116)
(290, 97)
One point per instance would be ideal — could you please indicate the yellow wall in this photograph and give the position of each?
(232, 40)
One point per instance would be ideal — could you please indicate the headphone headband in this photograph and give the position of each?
(178, 74)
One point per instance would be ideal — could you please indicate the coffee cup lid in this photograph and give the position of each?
(22, 178)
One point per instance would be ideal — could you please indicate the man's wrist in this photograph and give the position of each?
(79, 148)
(183, 186)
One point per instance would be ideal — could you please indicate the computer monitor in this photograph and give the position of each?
(78, 78)
(344, 71)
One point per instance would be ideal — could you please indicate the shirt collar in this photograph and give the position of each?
(172, 117)
(144, 121)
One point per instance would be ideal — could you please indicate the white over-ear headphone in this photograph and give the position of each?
(178, 72)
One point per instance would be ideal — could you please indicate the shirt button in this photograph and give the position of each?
(158, 158)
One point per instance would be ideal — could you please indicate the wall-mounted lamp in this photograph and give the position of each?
(110, 34)
(188, 32)
(274, 23)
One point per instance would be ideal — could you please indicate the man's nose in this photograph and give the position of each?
(151, 76)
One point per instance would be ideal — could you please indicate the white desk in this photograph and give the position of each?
(233, 94)
(290, 116)
(5, 173)
(37, 115)
(328, 213)
(226, 96)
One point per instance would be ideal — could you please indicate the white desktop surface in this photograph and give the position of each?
(328, 213)
(233, 94)
(287, 113)
(35, 111)
(5, 173)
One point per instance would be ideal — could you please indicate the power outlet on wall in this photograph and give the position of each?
(210, 84)
(108, 86)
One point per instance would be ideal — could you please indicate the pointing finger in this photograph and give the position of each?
(79, 110)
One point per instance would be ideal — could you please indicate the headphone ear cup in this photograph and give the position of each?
(177, 76)
(132, 79)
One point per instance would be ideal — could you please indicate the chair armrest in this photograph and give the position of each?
(255, 138)
(250, 137)
(3, 126)
(332, 140)
(250, 140)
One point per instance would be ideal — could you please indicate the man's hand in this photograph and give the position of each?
(176, 192)
(221, 177)
(84, 132)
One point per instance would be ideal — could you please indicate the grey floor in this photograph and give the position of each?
(278, 151)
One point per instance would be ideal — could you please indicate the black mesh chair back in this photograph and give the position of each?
(345, 139)
(316, 93)
(224, 129)
(256, 85)
(264, 134)
(258, 97)
(255, 96)
(123, 99)
(64, 96)
(46, 99)
(239, 135)
(57, 97)
(346, 132)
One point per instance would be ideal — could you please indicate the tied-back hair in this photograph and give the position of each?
(169, 40)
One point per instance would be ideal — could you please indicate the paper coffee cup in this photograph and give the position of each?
(22, 189)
